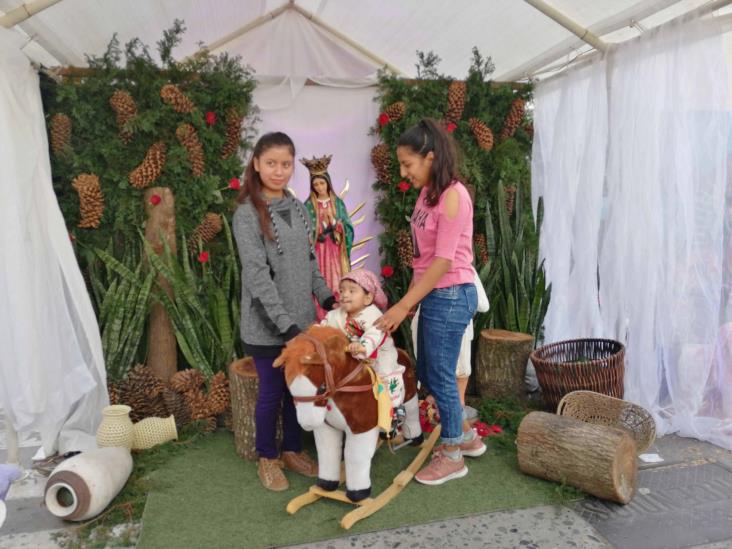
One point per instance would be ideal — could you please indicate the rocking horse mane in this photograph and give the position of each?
(300, 358)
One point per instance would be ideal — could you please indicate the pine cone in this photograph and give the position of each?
(125, 109)
(172, 95)
(60, 133)
(481, 247)
(229, 420)
(218, 395)
(206, 231)
(381, 160)
(510, 198)
(91, 200)
(483, 134)
(513, 118)
(455, 101)
(113, 392)
(177, 405)
(187, 380)
(234, 121)
(188, 137)
(151, 166)
(396, 110)
(209, 424)
(143, 392)
(404, 249)
(198, 403)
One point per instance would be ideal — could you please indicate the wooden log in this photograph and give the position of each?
(501, 363)
(162, 358)
(595, 458)
(244, 388)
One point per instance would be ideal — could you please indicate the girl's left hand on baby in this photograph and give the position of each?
(391, 319)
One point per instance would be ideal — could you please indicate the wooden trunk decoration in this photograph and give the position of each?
(244, 388)
(162, 347)
(501, 364)
(598, 459)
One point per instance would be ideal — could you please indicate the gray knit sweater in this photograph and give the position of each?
(276, 288)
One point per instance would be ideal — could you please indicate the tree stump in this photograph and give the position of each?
(244, 388)
(501, 364)
(162, 356)
(598, 459)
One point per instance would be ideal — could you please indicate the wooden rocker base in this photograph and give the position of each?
(367, 506)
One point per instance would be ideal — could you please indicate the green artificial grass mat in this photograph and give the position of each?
(208, 497)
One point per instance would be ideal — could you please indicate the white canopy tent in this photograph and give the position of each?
(341, 44)
(521, 39)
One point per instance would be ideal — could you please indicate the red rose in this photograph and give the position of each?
(482, 429)
(384, 119)
(234, 183)
(210, 118)
(451, 127)
(404, 186)
(155, 199)
(387, 271)
(203, 257)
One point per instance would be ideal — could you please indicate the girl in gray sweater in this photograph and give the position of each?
(280, 276)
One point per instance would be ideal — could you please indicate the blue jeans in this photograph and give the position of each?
(444, 314)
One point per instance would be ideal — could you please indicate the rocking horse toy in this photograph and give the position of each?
(336, 396)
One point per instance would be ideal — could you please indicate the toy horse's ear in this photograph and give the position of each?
(335, 347)
(313, 358)
(279, 361)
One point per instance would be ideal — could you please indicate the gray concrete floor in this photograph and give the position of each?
(683, 502)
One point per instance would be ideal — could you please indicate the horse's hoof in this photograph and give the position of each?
(327, 485)
(358, 495)
(416, 441)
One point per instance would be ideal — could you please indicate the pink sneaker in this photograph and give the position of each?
(441, 469)
(473, 448)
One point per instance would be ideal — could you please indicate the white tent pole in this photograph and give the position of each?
(25, 11)
(573, 27)
(566, 47)
(724, 21)
(338, 34)
(258, 22)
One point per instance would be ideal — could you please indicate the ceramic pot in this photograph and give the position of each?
(82, 486)
(116, 427)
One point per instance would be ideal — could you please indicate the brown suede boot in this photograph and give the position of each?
(271, 475)
(301, 463)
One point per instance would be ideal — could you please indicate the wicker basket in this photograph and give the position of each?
(579, 364)
(598, 409)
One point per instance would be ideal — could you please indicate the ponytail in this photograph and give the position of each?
(429, 136)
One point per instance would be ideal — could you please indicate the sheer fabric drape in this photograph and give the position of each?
(651, 219)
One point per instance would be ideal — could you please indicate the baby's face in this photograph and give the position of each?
(354, 298)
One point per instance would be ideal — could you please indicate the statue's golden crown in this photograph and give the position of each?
(317, 166)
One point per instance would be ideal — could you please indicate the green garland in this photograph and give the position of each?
(214, 84)
(196, 109)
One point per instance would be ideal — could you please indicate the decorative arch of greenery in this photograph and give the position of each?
(506, 234)
(216, 97)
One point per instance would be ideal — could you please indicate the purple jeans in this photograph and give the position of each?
(273, 391)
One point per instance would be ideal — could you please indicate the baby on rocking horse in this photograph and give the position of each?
(362, 301)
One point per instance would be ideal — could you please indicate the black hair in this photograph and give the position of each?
(252, 188)
(429, 136)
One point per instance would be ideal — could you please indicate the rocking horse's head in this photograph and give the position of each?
(304, 359)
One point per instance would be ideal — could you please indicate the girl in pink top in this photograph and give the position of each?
(442, 230)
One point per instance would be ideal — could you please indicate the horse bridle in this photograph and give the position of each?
(330, 388)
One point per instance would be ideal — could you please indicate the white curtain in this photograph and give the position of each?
(52, 377)
(569, 163)
(664, 255)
